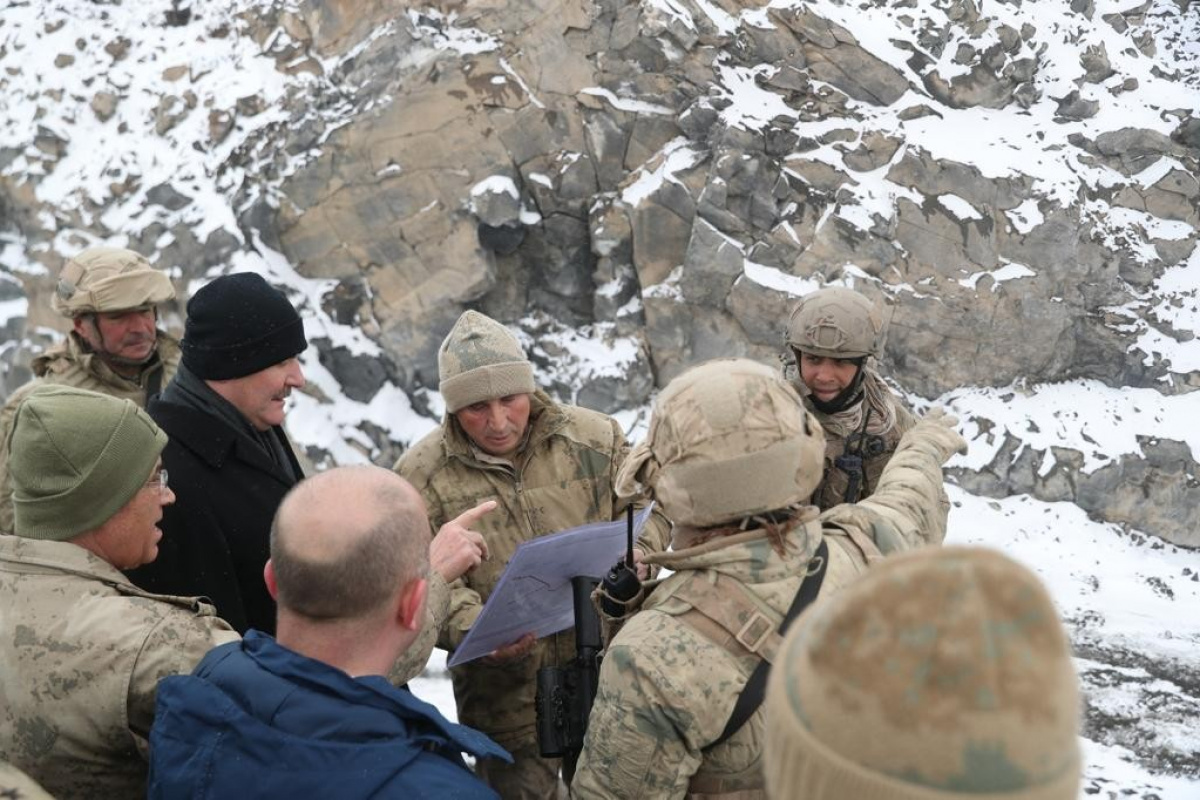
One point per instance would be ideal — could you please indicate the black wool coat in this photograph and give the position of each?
(216, 536)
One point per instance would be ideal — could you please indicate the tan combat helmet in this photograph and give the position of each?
(105, 279)
(835, 323)
(728, 439)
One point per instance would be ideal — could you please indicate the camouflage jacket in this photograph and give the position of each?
(667, 688)
(69, 364)
(81, 654)
(16, 785)
(563, 477)
(877, 449)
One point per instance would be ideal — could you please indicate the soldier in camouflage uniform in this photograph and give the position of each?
(943, 673)
(548, 467)
(81, 648)
(835, 335)
(114, 346)
(733, 457)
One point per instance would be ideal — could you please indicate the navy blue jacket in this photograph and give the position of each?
(258, 720)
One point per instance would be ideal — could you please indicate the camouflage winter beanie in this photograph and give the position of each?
(77, 457)
(943, 673)
(481, 360)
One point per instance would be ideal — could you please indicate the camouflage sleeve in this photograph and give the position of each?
(464, 608)
(910, 495)
(635, 745)
(937, 531)
(7, 414)
(463, 604)
(19, 786)
(413, 660)
(656, 534)
(174, 646)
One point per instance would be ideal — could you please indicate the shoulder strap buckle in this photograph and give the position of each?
(755, 632)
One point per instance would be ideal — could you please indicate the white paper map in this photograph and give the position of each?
(534, 593)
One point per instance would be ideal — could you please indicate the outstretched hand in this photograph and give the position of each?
(938, 426)
(457, 549)
(511, 652)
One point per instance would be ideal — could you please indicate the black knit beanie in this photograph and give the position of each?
(238, 325)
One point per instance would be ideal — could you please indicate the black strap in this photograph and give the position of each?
(154, 382)
(756, 688)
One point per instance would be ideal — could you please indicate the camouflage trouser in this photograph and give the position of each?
(529, 777)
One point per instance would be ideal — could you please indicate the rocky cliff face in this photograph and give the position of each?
(1016, 184)
(638, 186)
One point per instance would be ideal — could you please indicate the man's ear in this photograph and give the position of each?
(269, 580)
(410, 612)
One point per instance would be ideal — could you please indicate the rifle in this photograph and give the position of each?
(565, 694)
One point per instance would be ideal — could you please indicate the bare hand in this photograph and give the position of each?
(643, 569)
(457, 549)
(511, 652)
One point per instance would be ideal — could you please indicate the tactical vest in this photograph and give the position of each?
(730, 616)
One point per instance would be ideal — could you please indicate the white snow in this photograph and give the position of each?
(676, 155)
(496, 184)
(1008, 272)
(1026, 216)
(445, 33)
(1100, 422)
(752, 106)
(779, 280)
(960, 208)
(627, 104)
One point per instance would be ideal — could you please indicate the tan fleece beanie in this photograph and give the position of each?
(943, 673)
(481, 360)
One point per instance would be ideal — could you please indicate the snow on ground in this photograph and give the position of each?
(1099, 421)
(1120, 593)
(1094, 569)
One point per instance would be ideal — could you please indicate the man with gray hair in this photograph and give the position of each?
(81, 648)
(548, 466)
(310, 713)
(111, 295)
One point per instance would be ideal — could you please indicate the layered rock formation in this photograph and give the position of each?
(676, 171)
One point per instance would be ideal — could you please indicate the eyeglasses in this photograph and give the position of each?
(159, 481)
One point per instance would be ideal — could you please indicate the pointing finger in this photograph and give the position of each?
(473, 515)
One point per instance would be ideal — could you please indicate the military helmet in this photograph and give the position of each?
(727, 439)
(104, 279)
(835, 323)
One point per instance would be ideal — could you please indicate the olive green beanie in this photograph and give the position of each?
(76, 458)
(480, 360)
(943, 673)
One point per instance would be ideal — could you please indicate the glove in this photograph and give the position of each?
(937, 428)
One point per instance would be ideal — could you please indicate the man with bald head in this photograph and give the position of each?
(310, 712)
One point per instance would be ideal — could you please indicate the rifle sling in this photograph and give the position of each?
(752, 695)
